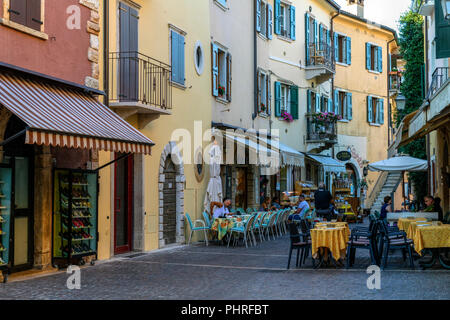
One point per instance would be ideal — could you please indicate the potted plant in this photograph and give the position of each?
(221, 91)
(263, 107)
(287, 116)
(324, 118)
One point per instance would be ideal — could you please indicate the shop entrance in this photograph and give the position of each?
(20, 156)
(123, 204)
(170, 203)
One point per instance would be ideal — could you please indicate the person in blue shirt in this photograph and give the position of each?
(302, 208)
(387, 207)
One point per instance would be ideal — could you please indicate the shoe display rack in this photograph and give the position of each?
(75, 234)
(5, 218)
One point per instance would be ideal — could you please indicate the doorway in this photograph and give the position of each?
(170, 203)
(123, 204)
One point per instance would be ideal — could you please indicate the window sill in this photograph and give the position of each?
(374, 72)
(263, 114)
(24, 29)
(222, 100)
(178, 85)
(342, 64)
(375, 124)
(262, 36)
(344, 121)
(221, 6)
(285, 38)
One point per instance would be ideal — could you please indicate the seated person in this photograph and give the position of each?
(387, 207)
(221, 209)
(302, 208)
(434, 205)
(265, 206)
(276, 204)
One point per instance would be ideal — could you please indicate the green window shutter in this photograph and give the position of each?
(381, 112)
(294, 102)
(270, 21)
(277, 99)
(215, 69)
(349, 106)
(317, 102)
(349, 50)
(258, 15)
(336, 102)
(336, 47)
(307, 40)
(442, 32)
(369, 109)
(380, 59)
(292, 17)
(308, 101)
(368, 57)
(277, 11)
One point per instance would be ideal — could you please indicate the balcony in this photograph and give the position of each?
(439, 93)
(139, 85)
(395, 81)
(320, 64)
(320, 137)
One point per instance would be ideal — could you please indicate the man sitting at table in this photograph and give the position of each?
(302, 208)
(220, 209)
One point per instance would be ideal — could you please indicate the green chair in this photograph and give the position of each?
(194, 227)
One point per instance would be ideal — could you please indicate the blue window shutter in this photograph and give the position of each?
(215, 69)
(349, 50)
(336, 48)
(368, 57)
(380, 59)
(369, 109)
(223, 2)
(277, 11)
(317, 103)
(330, 105)
(381, 107)
(174, 55)
(328, 38)
(308, 101)
(181, 58)
(320, 36)
(258, 15)
(390, 62)
(349, 106)
(307, 40)
(292, 17)
(336, 102)
(294, 102)
(316, 34)
(277, 99)
(270, 21)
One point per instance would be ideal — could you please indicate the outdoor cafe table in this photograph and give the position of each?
(223, 225)
(403, 223)
(435, 238)
(333, 239)
(411, 231)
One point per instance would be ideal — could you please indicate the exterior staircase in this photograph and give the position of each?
(391, 183)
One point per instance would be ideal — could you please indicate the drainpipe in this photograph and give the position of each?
(255, 63)
(333, 57)
(388, 95)
(106, 50)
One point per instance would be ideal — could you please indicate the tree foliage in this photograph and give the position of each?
(412, 49)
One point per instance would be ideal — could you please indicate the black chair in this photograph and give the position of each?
(394, 240)
(296, 243)
(363, 239)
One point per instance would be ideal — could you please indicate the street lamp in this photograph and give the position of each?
(446, 8)
(401, 102)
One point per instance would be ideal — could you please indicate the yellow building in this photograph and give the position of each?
(158, 82)
(362, 96)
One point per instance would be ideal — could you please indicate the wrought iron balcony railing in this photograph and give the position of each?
(137, 78)
(320, 54)
(320, 132)
(395, 81)
(439, 78)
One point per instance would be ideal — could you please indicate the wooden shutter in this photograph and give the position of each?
(258, 74)
(277, 99)
(292, 21)
(18, 11)
(308, 101)
(34, 14)
(307, 40)
(174, 56)
(129, 67)
(270, 21)
(330, 104)
(268, 95)
(349, 106)
(381, 112)
(229, 75)
(317, 102)
(258, 15)
(215, 69)
(442, 32)
(316, 34)
(320, 37)
(181, 58)
(380, 59)
(369, 109)
(368, 57)
(349, 50)
(336, 102)
(328, 43)
(294, 102)
(336, 47)
(277, 11)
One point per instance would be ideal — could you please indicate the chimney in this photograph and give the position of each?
(359, 7)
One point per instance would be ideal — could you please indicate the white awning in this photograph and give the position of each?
(288, 155)
(398, 164)
(329, 164)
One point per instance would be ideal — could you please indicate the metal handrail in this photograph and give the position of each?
(317, 132)
(320, 53)
(439, 78)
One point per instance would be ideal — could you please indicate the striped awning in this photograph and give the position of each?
(59, 115)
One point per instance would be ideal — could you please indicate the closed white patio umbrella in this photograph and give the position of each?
(399, 164)
(214, 190)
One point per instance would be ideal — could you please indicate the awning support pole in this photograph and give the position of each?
(115, 160)
(17, 135)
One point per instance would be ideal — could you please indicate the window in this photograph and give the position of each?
(264, 17)
(26, 12)
(286, 100)
(342, 48)
(221, 73)
(374, 57)
(343, 104)
(324, 104)
(317, 40)
(177, 45)
(375, 110)
(198, 58)
(263, 93)
(284, 20)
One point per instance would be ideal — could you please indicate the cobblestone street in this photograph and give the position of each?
(217, 272)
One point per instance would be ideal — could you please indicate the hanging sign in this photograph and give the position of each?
(343, 156)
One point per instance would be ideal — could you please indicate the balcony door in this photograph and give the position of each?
(129, 62)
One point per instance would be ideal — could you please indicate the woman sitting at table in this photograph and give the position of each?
(220, 209)
(265, 206)
(387, 207)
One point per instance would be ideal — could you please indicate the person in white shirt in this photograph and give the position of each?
(302, 208)
(220, 209)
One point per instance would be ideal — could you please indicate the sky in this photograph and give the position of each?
(386, 12)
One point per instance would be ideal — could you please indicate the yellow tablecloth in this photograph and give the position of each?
(334, 239)
(411, 231)
(432, 237)
(403, 223)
